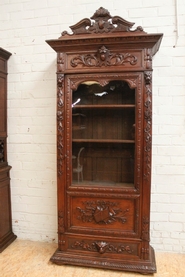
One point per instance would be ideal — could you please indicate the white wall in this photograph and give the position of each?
(24, 27)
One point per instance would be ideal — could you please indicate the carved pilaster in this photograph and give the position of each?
(60, 122)
(147, 162)
(145, 237)
(148, 124)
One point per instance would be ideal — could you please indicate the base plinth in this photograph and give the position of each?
(140, 266)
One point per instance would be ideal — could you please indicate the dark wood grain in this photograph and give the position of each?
(6, 234)
(104, 107)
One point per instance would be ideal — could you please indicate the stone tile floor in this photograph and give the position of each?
(31, 259)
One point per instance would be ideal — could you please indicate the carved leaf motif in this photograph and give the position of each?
(102, 247)
(87, 60)
(103, 57)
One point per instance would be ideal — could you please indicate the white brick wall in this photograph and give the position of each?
(24, 27)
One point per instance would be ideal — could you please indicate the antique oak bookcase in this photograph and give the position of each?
(6, 234)
(104, 139)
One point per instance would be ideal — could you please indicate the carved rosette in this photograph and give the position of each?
(60, 122)
(2, 151)
(148, 124)
(101, 212)
(102, 247)
(103, 57)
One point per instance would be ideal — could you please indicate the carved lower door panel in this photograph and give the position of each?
(104, 216)
(105, 232)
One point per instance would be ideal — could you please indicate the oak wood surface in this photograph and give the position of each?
(6, 234)
(104, 106)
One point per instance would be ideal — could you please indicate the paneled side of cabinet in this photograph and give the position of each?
(6, 234)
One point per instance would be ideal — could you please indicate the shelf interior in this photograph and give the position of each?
(103, 134)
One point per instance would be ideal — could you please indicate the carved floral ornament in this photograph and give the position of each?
(103, 57)
(102, 212)
(102, 247)
(102, 22)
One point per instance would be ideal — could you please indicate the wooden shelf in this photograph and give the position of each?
(122, 106)
(102, 184)
(104, 140)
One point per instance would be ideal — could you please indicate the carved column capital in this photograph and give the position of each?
(60, 62)
(148, 59)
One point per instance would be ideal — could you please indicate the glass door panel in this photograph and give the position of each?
(103, 134)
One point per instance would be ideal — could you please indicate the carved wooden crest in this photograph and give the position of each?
(102, 22)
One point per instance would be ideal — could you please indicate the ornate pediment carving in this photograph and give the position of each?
(102, 22)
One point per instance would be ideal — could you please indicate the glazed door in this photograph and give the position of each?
(103, 134)
(103, 120)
